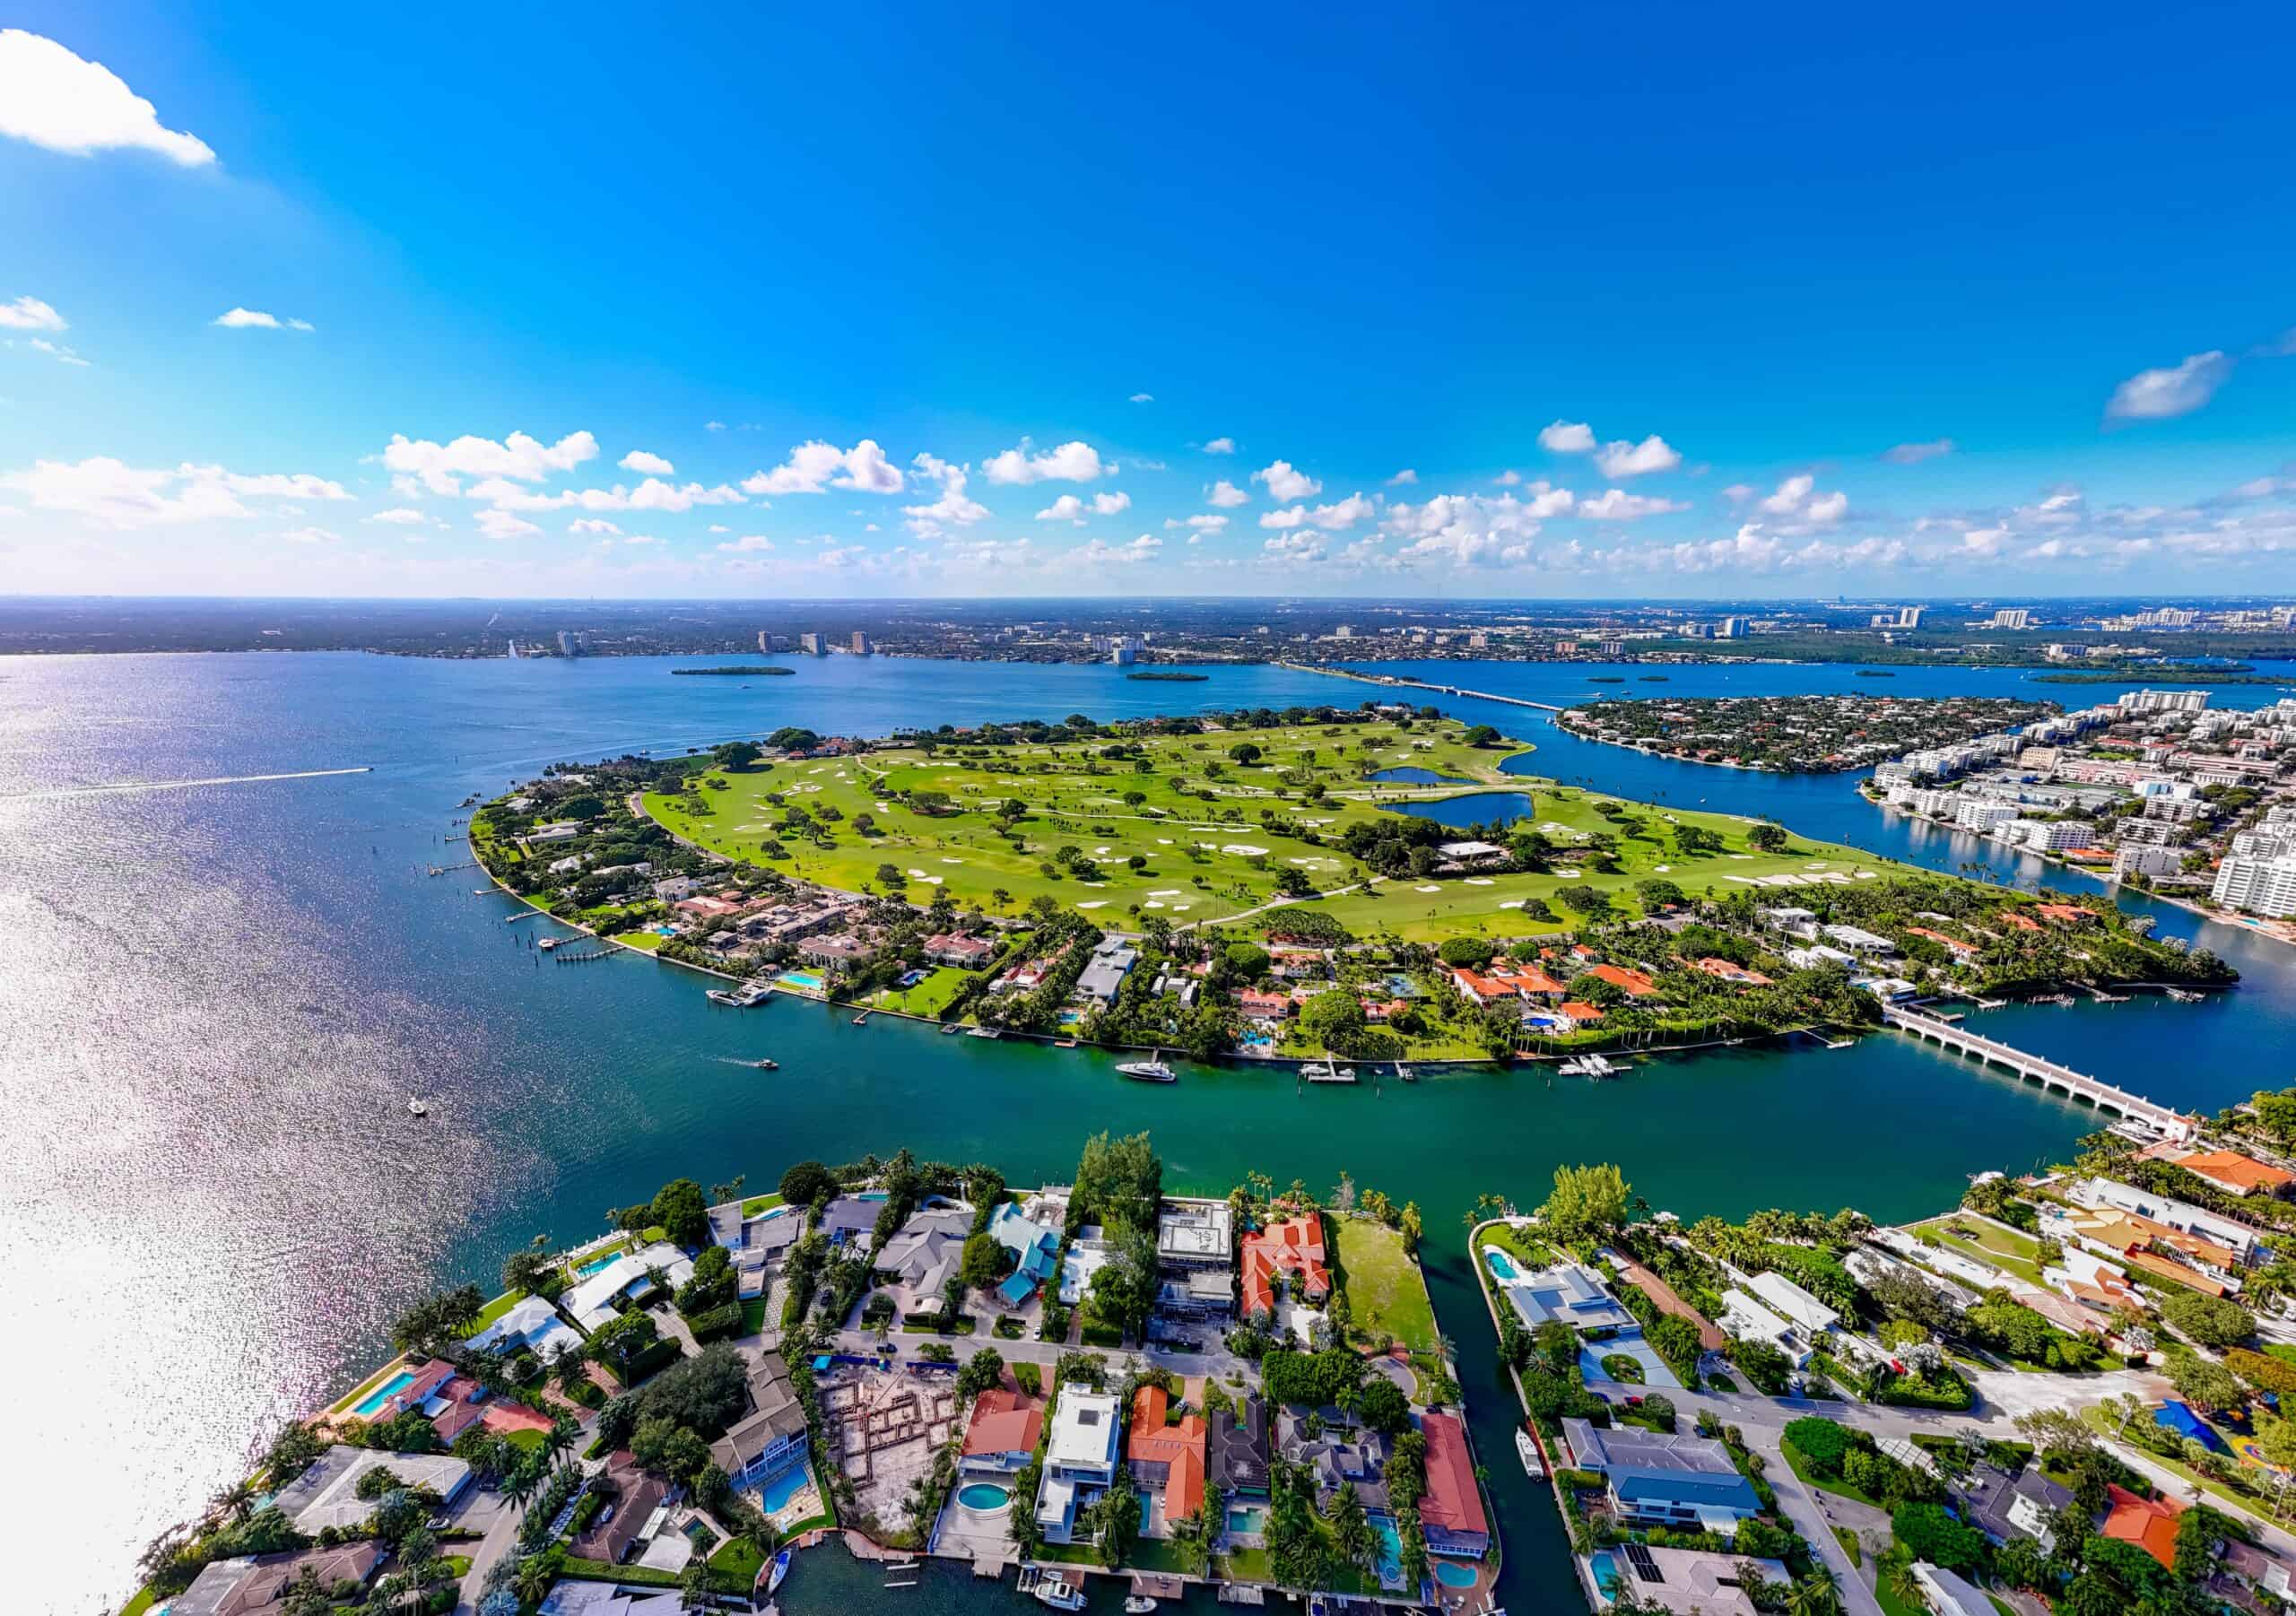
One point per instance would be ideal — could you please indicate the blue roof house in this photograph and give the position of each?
(1665, 1481)
(1036, 1252)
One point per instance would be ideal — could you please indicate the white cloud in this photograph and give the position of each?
(1285, 484)
(1298, 549)
(502, 525)
(591, 525)
(1144, 398)
(1068, 507)
(652, 494)
(748, 540)
(1295, 517)
(1508, 478)
(1914, 454)
(1346, 514)
(1108, 504)
(1738, 493)
(1070, 462)
(2170, 391)
(110, 491)
(310, 535)
(1227, 495)
(62, 352)
(1473, 530)
(1220, 446)
(1405, 478)
(1624, 459)
(1207, 523)
(242, 319)
(641, 538)
(953, 508)
(713, 426)
(29, 314)
(1567, 437)
(1616, 504)
(526, 459)
(1790, 496)
(815, 466)
(638, 460)
(53, 99)
(403, 516)
(1099, 552)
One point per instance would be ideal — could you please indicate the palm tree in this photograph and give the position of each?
(237, 1500)
(521, 1485)
(532, 1579)
(1903, 1583)
(1819, 1594)
(559, 1442)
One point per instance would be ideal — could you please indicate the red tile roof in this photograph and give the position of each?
(1294, 1246)
(1004, 1423)
(1578, 1012)
(2151, 1523)
(1453, 1502)
(1637, 985)
(1731, 971)
(2236, 1172)
(1179, 1448)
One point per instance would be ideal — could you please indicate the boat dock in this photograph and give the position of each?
(2033, 1068)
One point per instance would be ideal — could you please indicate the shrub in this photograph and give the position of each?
(2272, 1374)
(1823, 1443)
(1935, 1536)
(1465, 952)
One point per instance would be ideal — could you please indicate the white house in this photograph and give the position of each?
(1080, 1460)
(1782, 1296)
(531, 1322)
(1949, 1594)
(327, 1493)
(1748, 1319)
(591, 1304)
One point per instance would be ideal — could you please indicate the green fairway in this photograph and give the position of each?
(1193, 828)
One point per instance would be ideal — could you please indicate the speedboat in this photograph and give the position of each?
(717, 996)
(767, 1065)
(547, 944)
(1139, 1604)
(950, 1028)
(1150, 1071)
(415, 1107)
(777, 1571)
(983, 1032)
(1533, 1466)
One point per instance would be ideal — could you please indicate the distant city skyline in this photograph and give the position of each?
(1476, 306)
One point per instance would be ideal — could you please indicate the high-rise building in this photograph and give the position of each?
(2261, 886)
(813, 644)
(1733, 627)
(2163, 701)
(572, 642)
(2010, 617)
(1910, 617)
(1124, 653)
(1345, 631)
(860, 644)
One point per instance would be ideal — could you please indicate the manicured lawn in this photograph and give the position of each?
(1891, 1605)
(1623, 1369)
(1833, 1484)
(753, 1315)
(737, 1557)
(647, 940)
(1152, 1554)
(929, 997)
(2003, 1248)
(599, 1570)
(1248, 1565)
(1385, 1290)
(493, 1310)
(761, 1204)
(139, 1604)
(529, 1440)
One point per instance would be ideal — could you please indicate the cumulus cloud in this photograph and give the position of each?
(1226, 495)
(1623, 459)
(110, 491)
(55, 99)
(1344, 514)
(1220, 446)
(1285, 484)
(1108, 504)
(1295, 517)
(1070, 462)
(1299, 548)
(1473, 530)
(403, 516)
(591, 525)
(29, 314)
(748, 540)
(953, 508)
(440, 467)
(501, 525)
(310, 535)
(652, 494)
(1068, 507)
(2171, 390)
(1099, 552)
(1405, 478)
(1616, 504)
(1798, 498)
(1914, 454)
(255, 319)
(638, 460)
(815, 466)
(1567, 437)
(1209, 522)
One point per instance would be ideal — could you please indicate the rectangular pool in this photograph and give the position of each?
(371, 1403)
(801, 978)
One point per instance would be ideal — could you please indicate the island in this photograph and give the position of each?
(1168, 676)
(1105, 1379)
(766, 670)
(1243, 888)
(1690, 1388)
(1795, 734)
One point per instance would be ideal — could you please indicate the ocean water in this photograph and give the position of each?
(218, 996)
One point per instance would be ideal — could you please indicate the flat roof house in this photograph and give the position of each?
(1784, 1297)
(1568, 1292)
(591, 1304)
(1668, 1480)
(1002, 1436)
(1080, 1460)
(1195, 1234)
(327, 1493)
(1451, 1513)
(1746, 1318)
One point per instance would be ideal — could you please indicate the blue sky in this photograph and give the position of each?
(1686, 276)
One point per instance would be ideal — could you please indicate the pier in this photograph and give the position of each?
(2170, 1124)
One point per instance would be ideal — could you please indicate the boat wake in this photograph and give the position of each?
(132, 785)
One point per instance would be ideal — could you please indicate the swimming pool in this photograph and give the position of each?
(596, 1262)
(372, 1401)
(983, 1496)
(1451, 1574)
(1501, 1264)
(1606, 1576)
(1245, 1518)
(779, 1489)
(1388, 1561)
(806, 979)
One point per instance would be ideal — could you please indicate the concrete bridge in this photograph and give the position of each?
(2163, 1120)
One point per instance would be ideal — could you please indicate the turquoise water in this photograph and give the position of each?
(1412, 775)
(1501, 1264)
(801, 978)
(779, 1489)
(1453, 1575)
(593, 1264)
(367, 1406)
(1606, 1572)
(1246, 1520)
(1388, 1560)
(984, 1496)
(180, 970)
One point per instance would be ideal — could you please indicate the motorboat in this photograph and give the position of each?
(950, 1029)
(1150, 1071)
(766, 1064)
(984, 1033)
(1330, 1071)
(547, 944)
(415, 1107)
(777, 1571)
(1139, 1604)
(1528, 1449)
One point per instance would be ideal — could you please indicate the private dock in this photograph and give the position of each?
(2050, 1074)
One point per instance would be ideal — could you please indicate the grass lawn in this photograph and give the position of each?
(2005, 1249)
(1891, 1605)
(1526, 1248)
(1851, 1546)
(599, 1570)
(139, 1604)
(1623, 1369)
(1833, 1484)
(761, 1204)
(929, 997)
(1386, 1293)
(738, 1559)
(493, 1310)
(1152, 1554)
(529, 1441)
(647, 940)
(1247, 1565)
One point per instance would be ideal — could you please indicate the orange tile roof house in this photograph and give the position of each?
(1294, 1246)
(1637, 985)
(1263, 1006)
(1167, 1455)
(2151, 1523)
(2240, 1175)
(1003, 1434)
(1506, 982)
(1731, 971)
(1579, 1015)
(1451, 1514)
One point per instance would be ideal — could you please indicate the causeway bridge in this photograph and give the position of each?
(2162, 1119)
(1397, 682)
